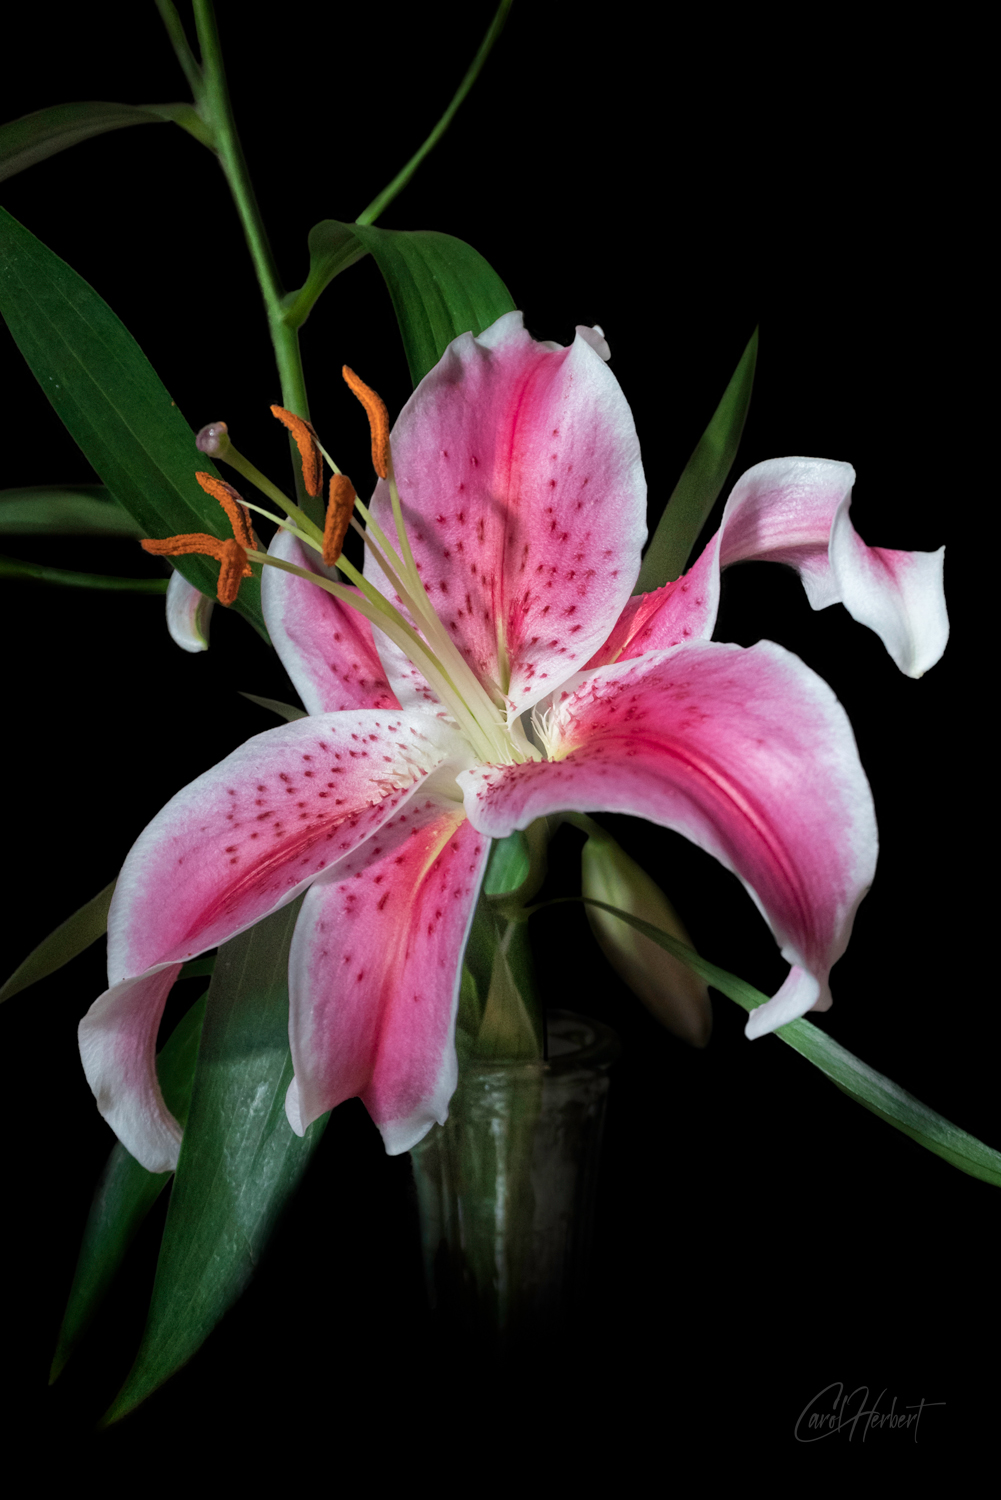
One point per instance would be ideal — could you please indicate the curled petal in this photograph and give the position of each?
(748, 754)
(899, 595)
(325, 646)
(596, 338)
(374, 973)
(519, 473)
(117, 1040)
(795, 511)
(188, 614)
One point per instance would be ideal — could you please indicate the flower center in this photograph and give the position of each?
(487, 721)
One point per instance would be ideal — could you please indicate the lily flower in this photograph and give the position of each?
(510, 676)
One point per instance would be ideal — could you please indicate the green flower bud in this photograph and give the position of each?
(676, 996)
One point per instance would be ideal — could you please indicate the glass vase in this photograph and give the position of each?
(506, 1188)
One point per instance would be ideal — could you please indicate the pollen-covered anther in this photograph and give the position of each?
(342, 501)
(378, 420)
(232, 503)
(309, 449)
(230, 556)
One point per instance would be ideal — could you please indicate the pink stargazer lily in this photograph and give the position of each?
(522, 496)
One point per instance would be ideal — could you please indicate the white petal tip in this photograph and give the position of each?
(402, 1135)
(188, 614)
(801, 992)
(293, 1110)
(596, 338)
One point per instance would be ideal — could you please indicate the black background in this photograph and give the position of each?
(760, 1235)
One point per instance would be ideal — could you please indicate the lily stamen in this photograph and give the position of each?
(378, 419)
(232, 503)
(232, 558)
(339, 509)
(384, 617)
(309, 451)
(412, 592)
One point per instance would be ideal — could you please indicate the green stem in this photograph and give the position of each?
(284, 339)
(182, 49)
(399, 182)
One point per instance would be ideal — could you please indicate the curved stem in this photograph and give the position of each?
(182, 49)
(399, 182)
(285, 340)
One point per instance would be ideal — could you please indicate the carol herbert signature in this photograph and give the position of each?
(834, 1410)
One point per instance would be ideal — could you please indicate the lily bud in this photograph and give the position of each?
(669, 988)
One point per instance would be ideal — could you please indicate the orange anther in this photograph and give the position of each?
(232, 558)
(342, 502)
(234, 566)
(232, 503)
(309, 452)
(378, 420)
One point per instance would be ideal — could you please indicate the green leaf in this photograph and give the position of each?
(45, 132)
(112, 401)
(70, 938)
(332, 247)
(125, 1194)
(64, 510)
(239, 1162)
(198, 968)
(287, 711)
(863, 1084)
(510, 862)
(13, 567)
(701, 481)
(439, 285)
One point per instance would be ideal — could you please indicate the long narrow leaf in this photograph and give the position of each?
(45, 132)
(112, 401)
(863, 1084)
(702, 479)
(64, 510)
(239, 1163)
(71, 937)
(288, 711)
(13, 567)
(440, 286)
(125, 1195)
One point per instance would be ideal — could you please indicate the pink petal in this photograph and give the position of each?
(795, 511)
(748, 754)
(118, 1048)
(682, 611)
(519, 471)
(375, 970)
(325, 646)
(247, 836)
(188, 614)
(409, 685)
(899, 595)
(238, 843)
